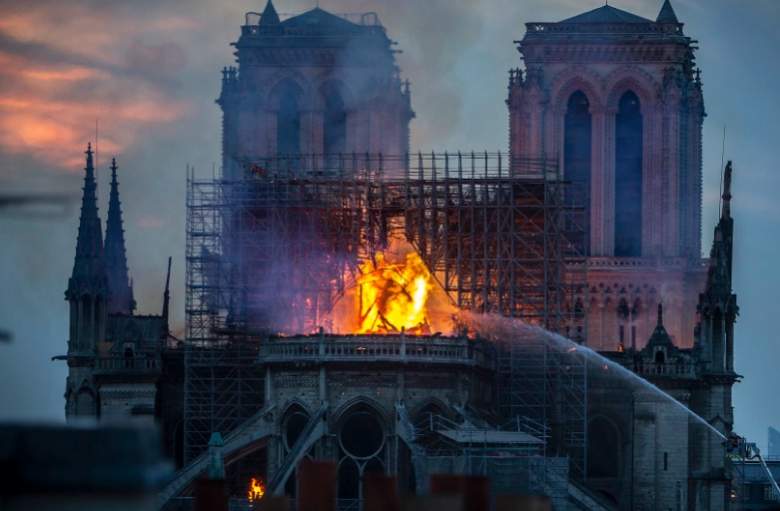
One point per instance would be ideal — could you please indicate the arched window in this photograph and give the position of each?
(628, 177)
(85, 404)
(361, 439)
(288, 119)
(603, 449)
(334, 135)
(293, 424)
(576, 155)
(129, 356)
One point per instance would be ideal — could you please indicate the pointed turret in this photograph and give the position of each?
(718, 304)
(88, 286)
(667, 14)
(719, 277)
(88, 268)
(660, 336)
(167, 297)
(120, 299)
(269, 16)
(725, 211)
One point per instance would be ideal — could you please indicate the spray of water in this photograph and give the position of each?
(500, 328)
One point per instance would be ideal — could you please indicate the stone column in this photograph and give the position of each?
(655, 154)
(602, 193)
(670, 191)
(535, 144)
(311, 132)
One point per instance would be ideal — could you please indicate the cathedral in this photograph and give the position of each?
(611, 99)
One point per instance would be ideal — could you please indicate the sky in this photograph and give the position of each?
(148, 73)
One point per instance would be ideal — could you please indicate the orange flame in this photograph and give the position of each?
(394, 291)
(256, 490)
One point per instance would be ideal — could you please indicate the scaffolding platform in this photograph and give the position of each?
(273, 251)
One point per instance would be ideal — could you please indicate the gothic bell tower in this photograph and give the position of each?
(87, 294)
(616, 99)
(717, 310)
(312, 84)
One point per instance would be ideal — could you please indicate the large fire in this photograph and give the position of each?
(256, 490)
(394, 292)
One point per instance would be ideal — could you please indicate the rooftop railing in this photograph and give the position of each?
(676, 370)
(135, 364)
(400, 349)
(603, 28)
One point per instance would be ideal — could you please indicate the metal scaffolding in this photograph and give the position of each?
(273, 252)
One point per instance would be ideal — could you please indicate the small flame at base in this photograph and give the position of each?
(256, 490)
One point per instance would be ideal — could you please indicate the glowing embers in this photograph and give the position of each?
(393, 295)
(394, 292)
(256, 490)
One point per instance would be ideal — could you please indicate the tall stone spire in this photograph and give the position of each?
(88, 268)
(723, 240)
(167, 297)
(667, 14)
(725, 211)
(88, 286)
(120, 298)
(270, 16)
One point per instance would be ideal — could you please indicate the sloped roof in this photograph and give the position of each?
(320, 21)
(607, 14)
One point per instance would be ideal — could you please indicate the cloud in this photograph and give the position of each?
(57, 79)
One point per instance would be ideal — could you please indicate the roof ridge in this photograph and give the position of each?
(607, 14)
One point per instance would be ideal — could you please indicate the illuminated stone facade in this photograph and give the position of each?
(617, 100)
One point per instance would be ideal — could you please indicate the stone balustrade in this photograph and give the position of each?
(386, 348)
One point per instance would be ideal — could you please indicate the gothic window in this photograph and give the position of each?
(576, 154)
(362, 450)
(348, 480)
(294, 423)
(334, 134)
(85, 403)
(628, 177)
(603, 449)
(288, 119)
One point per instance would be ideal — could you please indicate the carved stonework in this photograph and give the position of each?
(610, 59)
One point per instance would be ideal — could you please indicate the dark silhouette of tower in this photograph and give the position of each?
(316, 84)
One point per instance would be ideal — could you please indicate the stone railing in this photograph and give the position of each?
(640, 263)
(386, 348)
(674, 370)
(136, 364)
(603, 28)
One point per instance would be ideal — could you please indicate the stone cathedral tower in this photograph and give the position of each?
(87, 295)
(617, 100)
(114, 355)
(315, 84)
